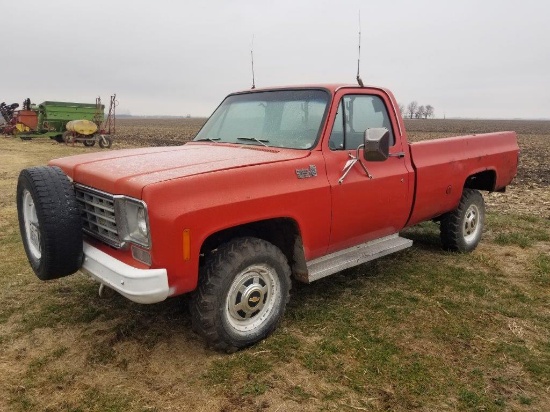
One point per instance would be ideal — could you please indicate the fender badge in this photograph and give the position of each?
(304, 173)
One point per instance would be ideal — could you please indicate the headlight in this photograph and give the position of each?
(142, 222)
(132, 220)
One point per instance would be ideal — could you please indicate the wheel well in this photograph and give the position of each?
(485, 180)
(281, 232)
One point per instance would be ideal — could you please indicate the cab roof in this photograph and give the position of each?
(331, 87)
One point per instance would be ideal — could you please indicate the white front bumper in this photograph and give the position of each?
(138, 285)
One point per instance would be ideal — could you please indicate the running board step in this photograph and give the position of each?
(356, 255)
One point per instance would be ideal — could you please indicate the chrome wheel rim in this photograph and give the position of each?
(32, 226)
(252, 297)
(472, 224)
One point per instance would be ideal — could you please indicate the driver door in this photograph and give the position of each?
(364, 209)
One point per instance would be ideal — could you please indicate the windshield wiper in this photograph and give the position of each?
(210, 139)
(254, 139)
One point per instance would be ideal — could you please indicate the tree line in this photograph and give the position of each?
(413, 110)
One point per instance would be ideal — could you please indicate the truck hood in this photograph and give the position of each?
(129, 171)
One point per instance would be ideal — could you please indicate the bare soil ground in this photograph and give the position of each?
(421, 330)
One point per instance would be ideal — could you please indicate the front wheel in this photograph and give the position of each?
(461, 229)
(242, 294)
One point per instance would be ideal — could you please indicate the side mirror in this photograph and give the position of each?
(377, 144)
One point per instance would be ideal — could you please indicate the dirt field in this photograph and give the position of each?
(421, 330)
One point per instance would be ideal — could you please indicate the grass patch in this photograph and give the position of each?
(536, 362)
(97, 400)
(255, 388)
(519, 239)
(222, 372)
(54, 313)
(6, 312)
(39, 363)
(541, 273)
(300, 394)
(519, 230)
(101, 354)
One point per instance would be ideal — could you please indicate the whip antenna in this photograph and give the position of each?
(252, 59)
(359, 53)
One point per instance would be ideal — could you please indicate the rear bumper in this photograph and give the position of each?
(138, 285)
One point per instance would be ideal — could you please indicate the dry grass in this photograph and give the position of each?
(424, 330)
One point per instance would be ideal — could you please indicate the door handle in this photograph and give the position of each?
(400, 155)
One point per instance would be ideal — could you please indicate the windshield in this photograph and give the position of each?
(283, 118)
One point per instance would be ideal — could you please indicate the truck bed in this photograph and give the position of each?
(443, 167)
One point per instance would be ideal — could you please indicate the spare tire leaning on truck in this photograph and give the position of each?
(49, 222)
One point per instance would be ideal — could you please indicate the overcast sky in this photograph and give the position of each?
(484, 58)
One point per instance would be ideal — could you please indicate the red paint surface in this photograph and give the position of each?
(28, 117)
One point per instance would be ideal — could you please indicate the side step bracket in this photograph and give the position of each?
(356, 255)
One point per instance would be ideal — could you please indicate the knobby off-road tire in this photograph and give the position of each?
(49, 222)
(461, 229)
(241, 295)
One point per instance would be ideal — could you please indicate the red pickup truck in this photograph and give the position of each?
(286, 182)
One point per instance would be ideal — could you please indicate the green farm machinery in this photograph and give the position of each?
(71, 123)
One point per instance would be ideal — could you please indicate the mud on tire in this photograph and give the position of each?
(242, 294)
(49, 222)
(461, 229)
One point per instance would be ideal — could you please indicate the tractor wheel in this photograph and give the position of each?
(461, 229)
(49, 222)
(68, 137)
(242, 294)
(105, 142)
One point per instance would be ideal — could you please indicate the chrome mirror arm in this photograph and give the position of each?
(351, 162)
(361, 162)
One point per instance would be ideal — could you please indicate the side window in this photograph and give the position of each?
(360, 113)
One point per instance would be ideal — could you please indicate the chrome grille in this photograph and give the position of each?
(98, 214)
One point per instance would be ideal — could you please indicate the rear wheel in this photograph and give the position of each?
(49, 222)
(242, 295)
(105, 142)
(461, 229)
